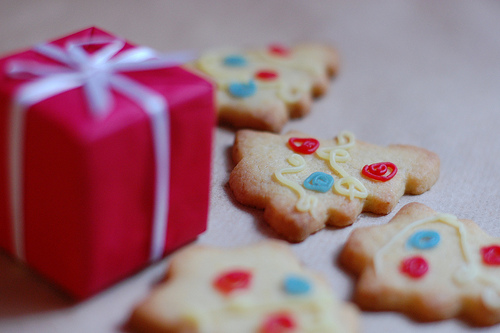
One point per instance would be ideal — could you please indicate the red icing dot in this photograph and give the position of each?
(279, 50)
(279, 323)
(266, 75)
(378, 171)
(491, 255)
(229, 281)
(304, 145)
(415, 267)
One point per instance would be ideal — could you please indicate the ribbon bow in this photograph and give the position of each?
(98, 73)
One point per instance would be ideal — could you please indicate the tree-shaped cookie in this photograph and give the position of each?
(263, 88)
(304, 183)
(429, 265)
(256, 289)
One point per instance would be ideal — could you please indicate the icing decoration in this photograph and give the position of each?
(351, 187)
(303, 145)
(491, 255)
(230, 281)
(293, 92)
(296, 285)
(278, 323)
(467, 273)
(224, 74)
(267, 75)
(348, 185)
(424, 239)
(491, 298)
(443, 218)
(345, 140)
(319, 181)
(339, 156)
(378, 171)
(242, 90)
(306, 202)
(279, 50)
(235, 60)
(213, 64)
(415, 267)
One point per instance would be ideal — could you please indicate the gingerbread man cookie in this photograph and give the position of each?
(429, 265)
(260, 288)
(263, 88)
(304, 183)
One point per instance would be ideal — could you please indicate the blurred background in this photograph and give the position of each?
(425, 73)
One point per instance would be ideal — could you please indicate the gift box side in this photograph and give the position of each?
(121, 176)
(89, 188)
(7, 90)
(5, 213)
(56, 200)
(192, 125)
(123, 245)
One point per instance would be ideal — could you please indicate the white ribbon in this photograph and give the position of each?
(98, 74)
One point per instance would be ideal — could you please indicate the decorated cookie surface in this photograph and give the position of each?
(429, 265)
(259, 289)
(305, 183)
(263, 88)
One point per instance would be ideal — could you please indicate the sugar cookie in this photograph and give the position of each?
(261, 288)
(264, 88)
(429, 265)
(304, 183)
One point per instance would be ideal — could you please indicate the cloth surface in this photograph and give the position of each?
(412, 72)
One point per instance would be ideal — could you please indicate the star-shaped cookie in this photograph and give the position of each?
(263, 88)
(304, 183)
(429, 265)
(255, 289)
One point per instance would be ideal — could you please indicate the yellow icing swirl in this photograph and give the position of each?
(491, 298)
(306, 202)
(345, 140)
(353, 190)
(339, 156)
(347, 185)
(293, 93)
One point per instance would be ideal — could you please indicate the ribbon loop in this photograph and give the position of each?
(55, 53)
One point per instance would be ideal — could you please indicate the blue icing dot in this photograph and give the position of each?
(296, 285)
(424, 239)
(235, 60)
(319, 181)
(241, 89)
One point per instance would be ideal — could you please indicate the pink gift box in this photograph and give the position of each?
(105, 158)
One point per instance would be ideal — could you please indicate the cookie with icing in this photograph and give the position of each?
(255, 289)
(429, 265)
(263, 88)
(304, 183)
